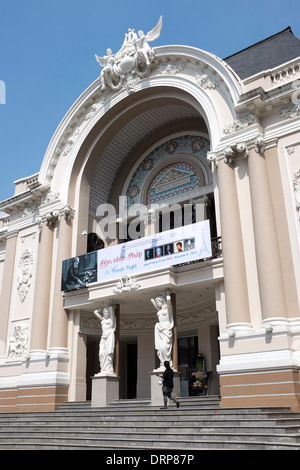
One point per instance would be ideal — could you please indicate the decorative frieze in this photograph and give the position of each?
(196, 317)
(171, 68)
(290, 111)
(239, 124)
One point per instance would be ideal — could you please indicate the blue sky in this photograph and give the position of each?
(48, 47)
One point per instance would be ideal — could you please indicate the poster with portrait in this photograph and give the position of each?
(180, 245)
(79, 271)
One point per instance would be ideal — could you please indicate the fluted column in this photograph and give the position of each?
(236, 292)
(266, 244)
(41, 305)
(59, 320)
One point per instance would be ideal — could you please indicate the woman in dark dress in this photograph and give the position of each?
(168, 385)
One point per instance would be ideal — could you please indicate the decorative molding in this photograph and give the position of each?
(68, 212)
(234, 151)
(239, 124)
(186, 318)
(51, 218)
(290, 111)
(28, 211)
(50, 197)
(25, 273)
(171, 68)
(205, 81)
(237, 150)
(89, 323)
(296, 186)
(71, 134)
(125, 284)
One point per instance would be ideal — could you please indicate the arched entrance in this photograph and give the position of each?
(152, 149)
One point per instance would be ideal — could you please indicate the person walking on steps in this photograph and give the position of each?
(168, 385)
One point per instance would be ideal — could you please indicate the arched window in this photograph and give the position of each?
(174, 180)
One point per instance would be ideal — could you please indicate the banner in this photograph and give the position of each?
(79, 271)
(181, 245)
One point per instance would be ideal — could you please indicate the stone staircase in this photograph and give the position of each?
(199, 424)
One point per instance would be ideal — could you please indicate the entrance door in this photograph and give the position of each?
(131, 369)
(92, 362)
(187, 352)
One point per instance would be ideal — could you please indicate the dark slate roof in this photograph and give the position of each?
(267, 54)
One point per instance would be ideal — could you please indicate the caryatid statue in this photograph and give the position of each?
(107, 341)
(163, 332)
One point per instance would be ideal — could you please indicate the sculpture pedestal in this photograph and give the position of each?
(105, 388)
(156, 389)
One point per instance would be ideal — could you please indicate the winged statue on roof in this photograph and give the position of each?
(132, 62)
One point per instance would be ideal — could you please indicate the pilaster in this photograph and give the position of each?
(40, 314)
(59, 320)
(7, 284)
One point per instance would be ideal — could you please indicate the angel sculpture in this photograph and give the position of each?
(107, 342)
(131, 61)
(163, 329)
(107, 63)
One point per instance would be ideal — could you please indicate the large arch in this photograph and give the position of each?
(196, 77)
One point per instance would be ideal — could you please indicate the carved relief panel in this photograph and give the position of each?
(24, 276)
(293, 164)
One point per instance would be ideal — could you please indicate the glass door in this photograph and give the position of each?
(187, 353)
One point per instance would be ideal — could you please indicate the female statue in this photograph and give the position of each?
(107, 342)
(164, 329)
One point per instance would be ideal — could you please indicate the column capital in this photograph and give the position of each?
(52, 217)
(239, 149)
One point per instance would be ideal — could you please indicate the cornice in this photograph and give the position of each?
(263, 101)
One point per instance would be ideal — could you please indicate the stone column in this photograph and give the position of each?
(41, 306)
(7, 283)
(236, 292)
(59, 320)
(266, 244)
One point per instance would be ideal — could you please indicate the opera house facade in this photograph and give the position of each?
(163, 225)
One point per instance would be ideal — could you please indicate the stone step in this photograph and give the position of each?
(203, 429)
(155, 414)
(198, 424)
(191, 425)
(136, 443)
